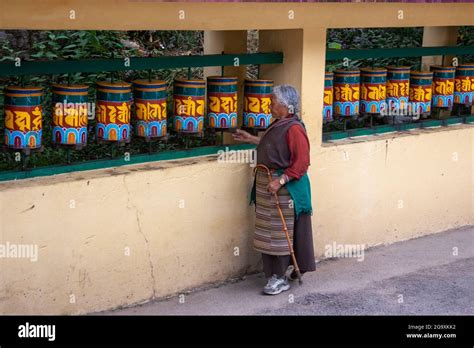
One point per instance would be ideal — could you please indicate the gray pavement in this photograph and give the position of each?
(421, 276)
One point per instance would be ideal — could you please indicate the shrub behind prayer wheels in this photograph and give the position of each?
(257, 113)
(23, 117)
(150, 108)
(346, 93)
(188, 105)
(70, 110)
(113, 111)
(222, 102)
(328, 96)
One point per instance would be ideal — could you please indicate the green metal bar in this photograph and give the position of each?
(361, 132)
(338, 135)
(335, 135)
(431, 123)
(409, 126)
(332, 54)
(453, 120)
(116, 162)
(384, 129)
(144, 63)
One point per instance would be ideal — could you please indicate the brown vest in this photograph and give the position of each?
(273, 150)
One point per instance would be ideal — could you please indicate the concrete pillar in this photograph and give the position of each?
(313, 68)
(303, 67)
(229, 41)
(290, 42)
(438, 36)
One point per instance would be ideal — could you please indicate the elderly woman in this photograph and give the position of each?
(284, 149)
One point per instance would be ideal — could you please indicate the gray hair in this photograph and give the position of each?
(288, 96)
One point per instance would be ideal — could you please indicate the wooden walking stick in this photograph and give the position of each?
(285, 228)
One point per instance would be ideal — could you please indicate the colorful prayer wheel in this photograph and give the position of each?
(113, 111)
(443, 86)
(150, 107)
(328, 96)
(188, 105)
(398, 86)
(420, 91)
(464, 84)
(257, 113)
(222, 102)
(373, 90)
(23, 117)
(346, 93)
(70, 111)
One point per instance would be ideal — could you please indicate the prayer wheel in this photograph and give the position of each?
(222, 102)
(113, 111)
(188, 105)
(443, 86)
(257, 113)
(328, 96)
(23, 117)
(346, 93)
(464, 84)
(398, 87)
(373, 90)
(149, 97)
(70, 111)
(420, 91)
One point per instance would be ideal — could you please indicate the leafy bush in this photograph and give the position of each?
(376, 38)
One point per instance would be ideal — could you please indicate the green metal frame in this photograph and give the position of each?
(118, 64)
(118, 162)
(338, 135)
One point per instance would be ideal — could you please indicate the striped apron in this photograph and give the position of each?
(269, 235)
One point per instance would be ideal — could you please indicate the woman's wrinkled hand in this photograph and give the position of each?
(274, 186)
(241, 135)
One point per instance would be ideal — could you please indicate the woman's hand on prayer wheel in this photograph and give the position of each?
(241, 135)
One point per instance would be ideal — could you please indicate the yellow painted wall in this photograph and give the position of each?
(370, 190)
(180, 222)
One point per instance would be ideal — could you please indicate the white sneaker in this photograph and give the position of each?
(270, 283)
(276, 286)
(289, 272)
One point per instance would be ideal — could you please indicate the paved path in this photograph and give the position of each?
(420, 276)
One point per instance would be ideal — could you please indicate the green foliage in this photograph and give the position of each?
(376, 38)
(466, 38)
